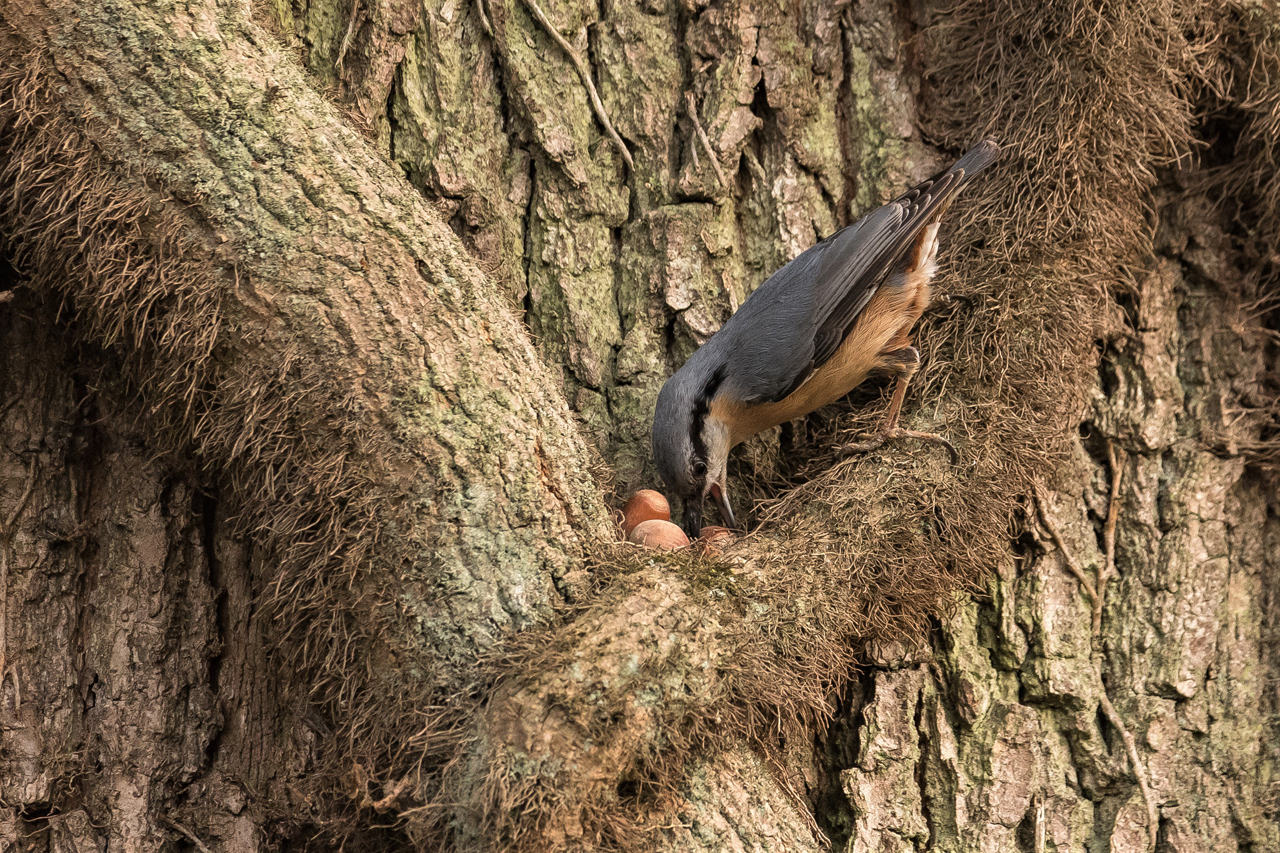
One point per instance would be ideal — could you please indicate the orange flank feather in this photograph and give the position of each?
(883, 327)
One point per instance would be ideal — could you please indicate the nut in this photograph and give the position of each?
(644, 505)
(660, 534)
(713, 539)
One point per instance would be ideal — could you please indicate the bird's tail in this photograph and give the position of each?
(978, 158)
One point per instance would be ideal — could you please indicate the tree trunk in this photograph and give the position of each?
(301, 542)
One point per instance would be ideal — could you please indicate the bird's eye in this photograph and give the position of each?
(699, 468)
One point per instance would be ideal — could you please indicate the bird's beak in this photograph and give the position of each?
(693, 516)
(722, 499)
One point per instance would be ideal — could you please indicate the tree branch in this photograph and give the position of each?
(373, 403)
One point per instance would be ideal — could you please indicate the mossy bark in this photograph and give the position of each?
(149, 694)
(298, 323)
(623, 273)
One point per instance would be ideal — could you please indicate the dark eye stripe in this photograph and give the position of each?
(701, 408)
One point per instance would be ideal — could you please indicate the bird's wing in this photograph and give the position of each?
(852, 270)
(854, 262)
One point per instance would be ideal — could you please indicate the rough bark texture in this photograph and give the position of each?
(136, 673)
(296, 318)
(991, 736)
(624, 273)
(155, 605)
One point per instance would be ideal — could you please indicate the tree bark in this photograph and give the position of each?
(302, 536)
(993, 737)
(298, 321)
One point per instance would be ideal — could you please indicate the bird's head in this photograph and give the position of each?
(691, 448)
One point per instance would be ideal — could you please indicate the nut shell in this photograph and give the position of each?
(644, 505)
(660, 534)
(713, 539)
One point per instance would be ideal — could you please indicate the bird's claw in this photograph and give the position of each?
(873, 443)
(878, 439)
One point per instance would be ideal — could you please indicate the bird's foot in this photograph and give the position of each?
(878, 439)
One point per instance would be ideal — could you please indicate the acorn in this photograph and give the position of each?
(659, 533)
(644, 505)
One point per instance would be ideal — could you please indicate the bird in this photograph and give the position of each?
(813, 331)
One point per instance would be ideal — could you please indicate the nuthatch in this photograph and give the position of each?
(814, 331)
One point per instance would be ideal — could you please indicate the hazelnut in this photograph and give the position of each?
(659, 533)
(644, 505)
(713, 539)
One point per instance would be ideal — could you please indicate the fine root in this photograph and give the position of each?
(484, 18)
(704, 139)
(349, 35)
(185, 832)
(585, 74)
(1072, 566)
(1095, 594)
(1108, 570)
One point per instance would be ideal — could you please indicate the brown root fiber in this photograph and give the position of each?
(1246, 89)
(1244, 180)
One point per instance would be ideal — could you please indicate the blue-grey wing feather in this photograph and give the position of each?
(797, 319)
